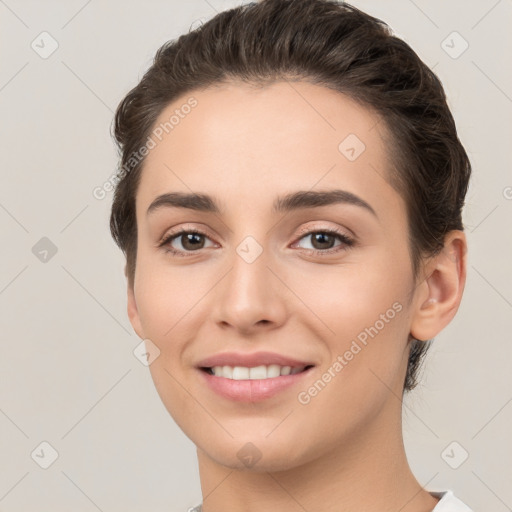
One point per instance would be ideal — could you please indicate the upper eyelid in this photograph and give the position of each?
(322, 229)
(302, 232)
(184, 229)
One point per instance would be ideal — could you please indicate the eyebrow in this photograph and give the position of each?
(294, 201)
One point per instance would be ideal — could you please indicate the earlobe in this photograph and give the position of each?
(133, 312)
(439, 296)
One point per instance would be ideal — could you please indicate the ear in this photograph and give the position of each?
(438, 296)
(133, 312)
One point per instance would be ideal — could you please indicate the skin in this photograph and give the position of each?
(343, 451)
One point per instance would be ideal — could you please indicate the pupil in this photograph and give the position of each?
(320, 237)
(189, 238)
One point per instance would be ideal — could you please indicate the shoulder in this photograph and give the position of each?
(449, 502)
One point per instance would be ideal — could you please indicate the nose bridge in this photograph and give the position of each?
(249, 295)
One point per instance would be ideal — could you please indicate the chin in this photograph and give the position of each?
(257, 454)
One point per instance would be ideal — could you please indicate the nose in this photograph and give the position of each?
(250, 298)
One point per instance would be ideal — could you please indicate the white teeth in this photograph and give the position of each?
(240, 373)
(255, 372)
(227, 371)
(258, 372)
(273, 370)
(285, 370)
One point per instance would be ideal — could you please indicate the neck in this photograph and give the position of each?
(367, 472)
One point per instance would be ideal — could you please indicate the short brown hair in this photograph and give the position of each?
(327, 43)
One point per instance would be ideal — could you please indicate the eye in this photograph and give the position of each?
(322, 241)
(190, 241)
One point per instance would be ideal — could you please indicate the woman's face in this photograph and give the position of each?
(260, 279)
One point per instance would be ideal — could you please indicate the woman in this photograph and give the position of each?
(289, 204)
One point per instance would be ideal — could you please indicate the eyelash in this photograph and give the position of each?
(347, 242)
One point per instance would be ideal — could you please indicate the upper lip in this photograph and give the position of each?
(250, 360)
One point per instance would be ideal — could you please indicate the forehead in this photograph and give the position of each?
(250, 142)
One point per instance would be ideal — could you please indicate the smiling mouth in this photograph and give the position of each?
(261, 372)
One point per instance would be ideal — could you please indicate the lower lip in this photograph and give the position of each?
(249, 390)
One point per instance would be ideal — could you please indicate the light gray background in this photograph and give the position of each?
(68, 375)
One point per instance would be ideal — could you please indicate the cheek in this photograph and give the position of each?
(362, 316)
(348, 298)
(165, 294)
(165, 301)
(366, 359)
